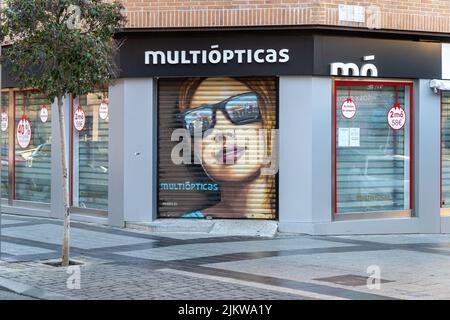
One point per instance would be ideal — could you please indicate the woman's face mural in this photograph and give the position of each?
(230, 152)
(230, 122)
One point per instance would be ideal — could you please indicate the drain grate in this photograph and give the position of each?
(350, 280)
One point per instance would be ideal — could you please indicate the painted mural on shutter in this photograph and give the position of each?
(217, 147)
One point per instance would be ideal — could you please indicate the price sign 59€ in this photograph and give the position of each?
(79, 118)
(396, 117)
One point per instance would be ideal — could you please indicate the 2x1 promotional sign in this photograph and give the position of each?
(348, 108)
(103, 110)
(23, 132)
(43, 114)
(4, 121)
(79, 118)
(396, 117)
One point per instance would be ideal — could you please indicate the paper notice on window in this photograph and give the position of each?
(344, 137)
(354, 137)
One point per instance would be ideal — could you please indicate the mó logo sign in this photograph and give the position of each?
(343, 69)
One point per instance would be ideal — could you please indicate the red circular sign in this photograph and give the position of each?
(79, 118)
(348, 109)
(43, 114)
(103, 110)
(23, 132)
(4, 122)
(396, 117)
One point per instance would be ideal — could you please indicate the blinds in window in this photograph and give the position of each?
(90, 158)
(445, 148)
(33, 164)
(374, 173)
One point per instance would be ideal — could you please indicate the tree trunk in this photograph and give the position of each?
(62, 131)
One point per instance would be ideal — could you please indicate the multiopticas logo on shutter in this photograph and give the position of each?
(215, 55)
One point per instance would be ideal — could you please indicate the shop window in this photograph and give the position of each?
(4, 144)
(227, 130)
(445, 149)
(373, 164)
(89, 162)
(32, 147)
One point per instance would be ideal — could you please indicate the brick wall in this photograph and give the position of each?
(418, 15)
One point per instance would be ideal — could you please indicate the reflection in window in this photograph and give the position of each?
(4, 144)
(33, 163)
(372, 159)
(90, 155)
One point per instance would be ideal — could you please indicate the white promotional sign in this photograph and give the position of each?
(355, 138)
(23, 132)
(103, 110)
(396, 117)
(43, 114)
(344, 137)
(348, 109)
(79, 118)
(4, 123)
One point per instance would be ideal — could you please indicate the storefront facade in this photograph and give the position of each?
(323, 133)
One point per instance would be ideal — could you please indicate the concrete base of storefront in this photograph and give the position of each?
(445, 224)
(263, 228)
(26, 211)
(357, 227)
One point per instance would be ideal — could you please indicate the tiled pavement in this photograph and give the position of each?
(125, 264)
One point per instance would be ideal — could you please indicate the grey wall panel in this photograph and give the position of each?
(321, 148)
(427, 156)
(116, 154)
(138, 150)
(305, 151)
(295, 162)
(131, 151)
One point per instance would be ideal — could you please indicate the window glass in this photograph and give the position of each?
(90, 154)
(4, 144)
(372, 157)
(445, 149)
(33, 161)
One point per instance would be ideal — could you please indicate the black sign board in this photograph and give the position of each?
(392, 58)
(308, 54)
(216, 54)
(269, 53)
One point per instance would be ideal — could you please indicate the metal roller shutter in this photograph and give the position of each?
(219, 190)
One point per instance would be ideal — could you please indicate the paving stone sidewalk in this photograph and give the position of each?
(127, 264)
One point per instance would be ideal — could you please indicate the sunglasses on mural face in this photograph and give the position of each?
(240, 109)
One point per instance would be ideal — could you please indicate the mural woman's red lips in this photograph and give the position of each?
(230, 154)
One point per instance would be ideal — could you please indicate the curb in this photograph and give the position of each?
(214, 227)
(32, 292)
